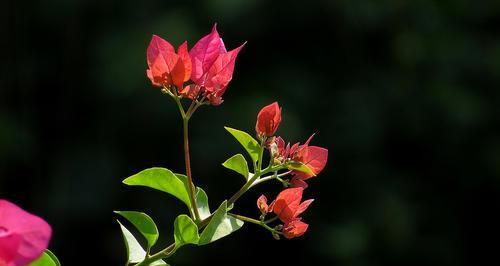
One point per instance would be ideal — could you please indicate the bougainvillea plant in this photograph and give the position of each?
(200, 77)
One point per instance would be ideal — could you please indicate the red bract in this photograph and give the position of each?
(213, 65)
(268, 120)
(294, 228)
(288, 204)
(313, 157)
(165, 66)
(23, 236)
(262, 204)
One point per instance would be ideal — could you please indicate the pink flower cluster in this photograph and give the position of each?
(208, 65)
(23, 236)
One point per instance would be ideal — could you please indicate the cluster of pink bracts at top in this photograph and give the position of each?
(23, 236)
(209, 66)
(287, 205)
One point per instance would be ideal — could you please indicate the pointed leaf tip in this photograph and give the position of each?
(135, 252)
(144, 224)
(161, 179)
(202, 203)
(238, 164)
(248, 142)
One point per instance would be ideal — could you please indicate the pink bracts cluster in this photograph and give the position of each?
(23, 236)
(208, 65)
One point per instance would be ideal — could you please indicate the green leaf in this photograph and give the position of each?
(161, 179)
(202, 203)
(201, 198)
(238, 164)
(300, 167)
(185, 231)
(143, 223)
(46, 259)
(249, 143)
(135, 252)
(219, 226)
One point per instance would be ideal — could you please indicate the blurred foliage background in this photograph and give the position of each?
(405, 94)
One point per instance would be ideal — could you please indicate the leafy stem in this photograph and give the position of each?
(171, 249)
(254, 180)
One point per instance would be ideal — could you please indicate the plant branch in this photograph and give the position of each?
(187, 160)
(261, 154)
(165, 253)
(271, 220)
(254, 221)
(185, 122)
(190, 111)
(178, 102)
(270, 177)
(248, 184)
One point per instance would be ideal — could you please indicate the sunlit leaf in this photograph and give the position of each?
(185, 231)
(238, 164)
(201, 198)
(135, 252)
(202, 203)
(161, 179)
(144, 224)
(250, 144)
(220, 225)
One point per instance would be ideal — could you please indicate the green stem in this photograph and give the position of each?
(187, 160)
(254, 221)
(179, 104)
(165, 253)
(261, 154)
(185, 122)
(270, 177)
(271, 220)
(248, 184)
(189, 111)
(258, 173)
(195, 106)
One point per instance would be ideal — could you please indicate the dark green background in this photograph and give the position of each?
(404, 94)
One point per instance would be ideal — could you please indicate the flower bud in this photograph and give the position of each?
(268, 120)
(274, 149)
(262, 204)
